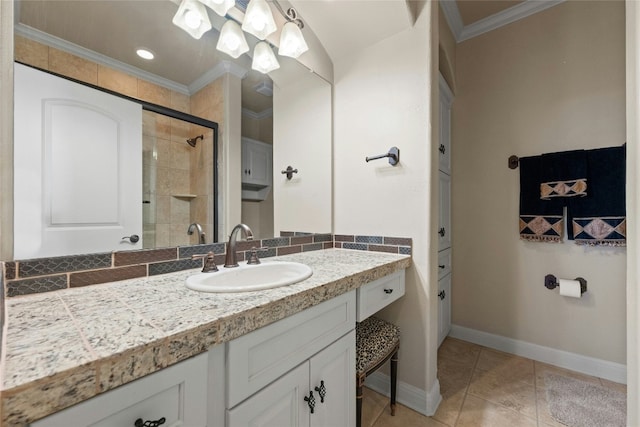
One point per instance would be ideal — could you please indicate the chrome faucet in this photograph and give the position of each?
(231, 258)
(196, 226)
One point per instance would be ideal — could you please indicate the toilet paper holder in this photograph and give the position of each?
(551, 282)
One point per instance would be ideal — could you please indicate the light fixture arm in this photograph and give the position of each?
(291, 15)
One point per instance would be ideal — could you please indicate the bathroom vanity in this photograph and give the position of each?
(145, 349)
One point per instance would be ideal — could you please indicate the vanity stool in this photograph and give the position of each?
(376, 342)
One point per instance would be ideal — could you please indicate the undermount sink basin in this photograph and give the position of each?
(250, 277)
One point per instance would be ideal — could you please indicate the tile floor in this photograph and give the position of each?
(479, 387)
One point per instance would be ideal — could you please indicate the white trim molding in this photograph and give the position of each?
(408, 395)
(216, 72)
(520, 11)
(257, 116)
(576, 362)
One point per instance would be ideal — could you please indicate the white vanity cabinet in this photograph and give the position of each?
(444, 222)
(177, 393)
(272, 372)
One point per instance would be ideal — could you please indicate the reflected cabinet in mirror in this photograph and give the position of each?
(155, 154)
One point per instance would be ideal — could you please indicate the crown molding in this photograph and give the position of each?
(257, 116)
(216, 72)
(64, 45)
(490, 23)
(452, 15)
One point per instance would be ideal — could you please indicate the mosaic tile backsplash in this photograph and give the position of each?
(49, 274)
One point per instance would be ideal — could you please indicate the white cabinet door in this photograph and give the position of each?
(78, 168)
(444, 148)
(444, 223)
(334, 368)
(280, 404)
(256, 162)
(444, 312)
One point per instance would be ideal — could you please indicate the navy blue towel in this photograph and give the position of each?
(540, 220)
(600, 217)
(563, 174)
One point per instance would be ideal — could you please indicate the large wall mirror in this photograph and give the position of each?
(288, 112)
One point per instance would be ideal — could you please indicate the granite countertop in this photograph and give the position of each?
(66, 346)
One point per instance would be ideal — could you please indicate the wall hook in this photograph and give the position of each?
(393, 155)
(289, 172)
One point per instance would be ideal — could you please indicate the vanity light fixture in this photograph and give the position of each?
(231, 40)
(221, 7)
(292, 41)
(258, 19)
(192, 17)
(145, 54)
(264, 59)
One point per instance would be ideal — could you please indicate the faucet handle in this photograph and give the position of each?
(253, 255)
(209, 265)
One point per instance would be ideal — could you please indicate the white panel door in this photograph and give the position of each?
(333, 373)
(78, 168)
(444, 223)
(280, 404)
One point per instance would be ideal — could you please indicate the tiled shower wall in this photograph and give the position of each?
(50, 274)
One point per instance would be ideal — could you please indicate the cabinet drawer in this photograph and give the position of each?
(376, 295)
(177, 393)
(258, 358)
(444, 263)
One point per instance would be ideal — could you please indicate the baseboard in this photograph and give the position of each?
(564, 359)
(408, 395)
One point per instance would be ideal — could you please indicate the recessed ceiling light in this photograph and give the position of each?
(145, 54)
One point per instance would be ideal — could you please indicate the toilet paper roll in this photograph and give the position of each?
(570, 288)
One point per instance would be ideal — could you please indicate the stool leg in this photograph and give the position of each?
(394, 380)
(358, 404)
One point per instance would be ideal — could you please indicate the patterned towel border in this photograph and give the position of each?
(572, 188)
(538, 228)
(600, 231)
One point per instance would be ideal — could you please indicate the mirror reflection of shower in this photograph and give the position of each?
(178, 182)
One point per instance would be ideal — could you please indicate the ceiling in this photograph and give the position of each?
(472, 11)
(115, 28)
(470, 18)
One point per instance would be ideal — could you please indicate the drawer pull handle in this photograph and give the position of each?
(322, 391)
(442, 294)
(311, 401)
(388, 291)
(442, 232)
(140, 423)
(442, 266)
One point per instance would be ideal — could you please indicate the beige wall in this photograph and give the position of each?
(446, 50)
(554, 81)
(379, 104)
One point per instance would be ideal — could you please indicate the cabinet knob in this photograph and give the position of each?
(442, 149)
(140, 423)
(442, 266)
(311, 401)
(322, 391)
(442, 294)
(441, 232)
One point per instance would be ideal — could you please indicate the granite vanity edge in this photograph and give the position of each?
(32, 400)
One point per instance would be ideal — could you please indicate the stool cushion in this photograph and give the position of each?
(375, 338)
